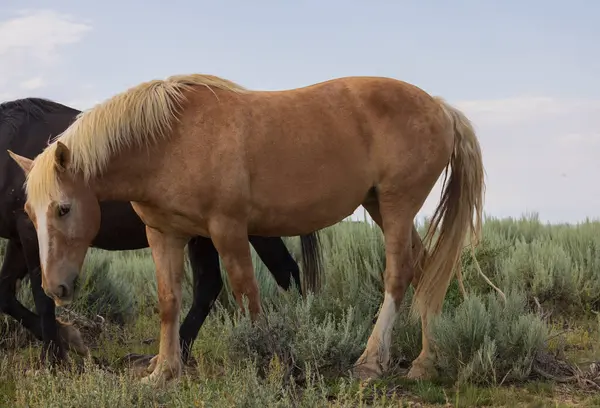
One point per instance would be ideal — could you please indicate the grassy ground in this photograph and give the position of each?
(489, 352)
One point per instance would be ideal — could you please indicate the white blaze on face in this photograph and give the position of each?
(42, 233)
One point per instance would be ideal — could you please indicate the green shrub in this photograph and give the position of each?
(557, 264)
(299, 335)
(485, 341)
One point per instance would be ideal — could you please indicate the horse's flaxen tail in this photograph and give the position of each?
(460, 211)
(312, 263)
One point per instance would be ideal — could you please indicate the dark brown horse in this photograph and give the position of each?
(200, 155)
(25, 127)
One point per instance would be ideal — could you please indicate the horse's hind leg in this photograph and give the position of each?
(397, 225)
(422, 367)
(372, 208)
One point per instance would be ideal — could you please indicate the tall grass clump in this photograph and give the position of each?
(488, 342)
(557, 266)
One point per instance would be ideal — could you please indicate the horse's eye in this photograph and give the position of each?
(63, 209)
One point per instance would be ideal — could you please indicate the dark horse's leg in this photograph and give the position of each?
(18, 261)
(276, 257)
(14, 268)
(207, 281)
(52, 349)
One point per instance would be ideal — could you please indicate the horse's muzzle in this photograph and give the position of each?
(62, 292)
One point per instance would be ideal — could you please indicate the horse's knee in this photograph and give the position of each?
(169, 306)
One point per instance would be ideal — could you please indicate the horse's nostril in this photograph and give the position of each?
(63, 291)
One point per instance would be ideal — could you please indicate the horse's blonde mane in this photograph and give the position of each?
(140, 116)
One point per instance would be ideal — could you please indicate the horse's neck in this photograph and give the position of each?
(125, 178)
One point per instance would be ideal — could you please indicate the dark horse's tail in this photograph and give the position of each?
(312, 262)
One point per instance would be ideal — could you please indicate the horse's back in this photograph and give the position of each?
(351, 129)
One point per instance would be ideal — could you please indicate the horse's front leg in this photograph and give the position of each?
(168, 255)
(230, 237)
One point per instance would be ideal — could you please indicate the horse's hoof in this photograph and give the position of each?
(148, 380)
(160, 375)
(367, 371)
(421, 371)
(152, 364)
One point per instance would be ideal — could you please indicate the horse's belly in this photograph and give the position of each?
(290, 196)
(297, 212)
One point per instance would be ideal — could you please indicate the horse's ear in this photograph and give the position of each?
(23, 162)
(62, 156)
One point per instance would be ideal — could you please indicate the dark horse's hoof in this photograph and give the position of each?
(53, 356)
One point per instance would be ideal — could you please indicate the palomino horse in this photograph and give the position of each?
(200, 155)
(25, 126)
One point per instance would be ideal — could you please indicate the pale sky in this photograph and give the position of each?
(526, 73)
